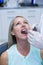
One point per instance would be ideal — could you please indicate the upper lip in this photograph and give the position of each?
(24, 29)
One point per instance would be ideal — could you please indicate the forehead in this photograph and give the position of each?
(19, 19)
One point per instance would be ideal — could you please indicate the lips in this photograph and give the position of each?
(24, 31)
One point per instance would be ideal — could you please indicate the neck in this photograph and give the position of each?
(23, 47)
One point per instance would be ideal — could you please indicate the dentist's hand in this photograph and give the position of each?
(35, 38)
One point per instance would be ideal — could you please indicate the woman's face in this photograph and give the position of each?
(20, 28)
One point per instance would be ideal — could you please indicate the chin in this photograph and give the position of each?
(24, 38)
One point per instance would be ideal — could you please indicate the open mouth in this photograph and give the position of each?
(24, 31)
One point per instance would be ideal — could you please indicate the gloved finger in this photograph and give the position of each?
(35, 40)
(30, 39)
(34, 43)
(31, 32)
(29, 35)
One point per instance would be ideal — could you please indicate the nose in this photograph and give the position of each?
(23, 25)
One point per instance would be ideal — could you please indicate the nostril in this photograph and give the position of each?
(23, 25)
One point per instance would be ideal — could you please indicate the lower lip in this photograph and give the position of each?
(24, 34)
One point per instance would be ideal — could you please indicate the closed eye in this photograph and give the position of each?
(18, 23)
(26, 22)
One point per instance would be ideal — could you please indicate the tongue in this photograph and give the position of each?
(24, 32)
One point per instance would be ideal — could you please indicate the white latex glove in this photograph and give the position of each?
(35, 38)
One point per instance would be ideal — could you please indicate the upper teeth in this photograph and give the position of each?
(24, 30)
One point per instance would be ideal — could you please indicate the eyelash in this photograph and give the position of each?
(18, 23)
(26, 22)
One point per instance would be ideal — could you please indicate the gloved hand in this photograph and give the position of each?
(35, 38)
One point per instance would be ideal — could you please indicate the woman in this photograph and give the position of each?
(21, 52)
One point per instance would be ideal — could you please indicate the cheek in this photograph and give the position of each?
(28, 27)
(17, 33)
(17, 30)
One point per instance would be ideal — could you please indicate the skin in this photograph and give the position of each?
(41, 52)
(0, 60)
(23, 45)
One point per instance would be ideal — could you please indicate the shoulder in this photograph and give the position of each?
(35, 49)
(38, 52)
(41, 53)
(11, 48)
(4, 58)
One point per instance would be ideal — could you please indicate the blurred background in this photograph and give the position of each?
(18, 3)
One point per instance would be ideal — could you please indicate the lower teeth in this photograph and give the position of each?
(24, 32)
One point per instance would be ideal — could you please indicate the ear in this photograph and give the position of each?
(12, 33)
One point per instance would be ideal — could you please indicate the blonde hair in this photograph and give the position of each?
(11, 38)
(10, 41)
